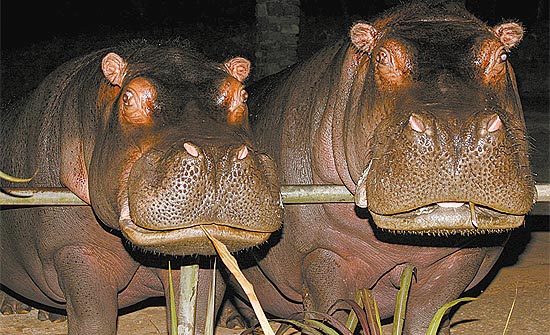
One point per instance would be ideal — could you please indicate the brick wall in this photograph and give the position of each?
(278, 23)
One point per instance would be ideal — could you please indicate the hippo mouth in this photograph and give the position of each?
(446, 218)
(188, 240)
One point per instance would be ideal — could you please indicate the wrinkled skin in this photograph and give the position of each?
(417, 114)
(156, 139)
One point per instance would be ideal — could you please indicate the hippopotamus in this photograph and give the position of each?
(417, 114)
(155, 138)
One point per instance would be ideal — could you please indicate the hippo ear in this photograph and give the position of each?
(509, 33)
(114, 68)
(238, 67)
(363, 36)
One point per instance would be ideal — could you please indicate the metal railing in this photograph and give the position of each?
(291, 194)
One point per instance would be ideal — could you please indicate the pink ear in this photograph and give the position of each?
(363, 36)
(114, 68)
(238, 67)
(509, 33)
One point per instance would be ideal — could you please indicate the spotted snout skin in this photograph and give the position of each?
(436, 155)
(189, 185)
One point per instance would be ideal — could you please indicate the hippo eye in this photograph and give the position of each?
(383, 58)
(128, 98)
(244, 96)
(503, 57)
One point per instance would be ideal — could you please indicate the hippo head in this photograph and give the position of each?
(437, 106)
(175, 154)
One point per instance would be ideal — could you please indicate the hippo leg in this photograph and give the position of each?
(53, 317)
(10, 305)
(438, 285)
(90, 282)
(323, 282)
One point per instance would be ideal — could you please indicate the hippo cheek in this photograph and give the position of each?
(173, 195)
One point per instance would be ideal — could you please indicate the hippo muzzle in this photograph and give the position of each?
(445, 171)
(172, 195)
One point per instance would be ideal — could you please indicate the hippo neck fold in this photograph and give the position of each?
(345, 69)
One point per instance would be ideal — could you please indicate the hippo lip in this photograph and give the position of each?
(188, 240)
(446, 218)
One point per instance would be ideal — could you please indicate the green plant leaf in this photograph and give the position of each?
(359, 314)
(351, 321)
(173, 318)
(371, 309)
(436, 320)
(332, 321)
(7, 177)
(210, 309)
(300, 325)
(323, 327)
(401, 300)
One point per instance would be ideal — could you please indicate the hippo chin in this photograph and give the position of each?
(155, 138)
(417, 113)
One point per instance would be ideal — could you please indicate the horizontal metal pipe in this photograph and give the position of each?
(292, 194)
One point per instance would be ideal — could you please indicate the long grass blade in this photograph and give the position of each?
(210, 309)
(323, 327)
(173, 317)
(371, 309)
(7, 177)
(300, 325)
(231, 264)
(436, 320)
(401, 301)
(510, 313)
(359, 313)
(351, 321)
(332, 321)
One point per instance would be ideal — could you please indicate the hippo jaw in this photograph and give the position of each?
(447, 218)
(188, 240)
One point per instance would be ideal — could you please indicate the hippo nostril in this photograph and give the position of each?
(191, 149)
(243, 152)
(416, 123)
(494, 123)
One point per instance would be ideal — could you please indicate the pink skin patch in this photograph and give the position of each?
(416, 124)
(494, 124)
(191, 149)
(243, 152)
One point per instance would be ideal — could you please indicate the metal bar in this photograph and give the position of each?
(292, 194)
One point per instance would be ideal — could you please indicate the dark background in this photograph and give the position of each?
(37, 37)
(27, 22)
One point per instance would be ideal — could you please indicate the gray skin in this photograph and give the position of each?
(417, 114)
(155, 138)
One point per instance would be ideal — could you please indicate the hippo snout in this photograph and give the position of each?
(440, 170)
(229, 190)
